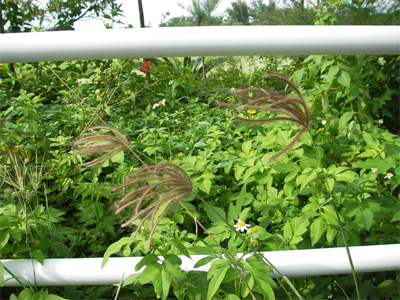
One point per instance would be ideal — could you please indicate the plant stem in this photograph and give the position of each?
(337, 216)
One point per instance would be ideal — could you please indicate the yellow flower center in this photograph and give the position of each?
(242, 223)
(251, 111)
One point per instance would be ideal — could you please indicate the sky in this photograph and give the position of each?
(153, 12)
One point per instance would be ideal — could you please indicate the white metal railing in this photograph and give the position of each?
(200, 41)
(292, 263)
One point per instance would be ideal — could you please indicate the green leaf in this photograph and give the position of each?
(381, 164)
(366, 216)
(287, 231)
(148, 259)
(344, 78)
(205, 185)
(161, 283)
(172, 264)
(347, 176)
(298, 76)
(332, 73)
(114, 248)
(212, 214)
(4, 237)
(345, 118)
(1, 274)
(204, 261)
(38, 255)
(216, 282)
(393, 151)
(396, 216)
(131, 279)
(316, 230)
(246, 146)
(150, 273)
(118, 158)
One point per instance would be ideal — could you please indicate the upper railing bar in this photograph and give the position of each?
(199, 41)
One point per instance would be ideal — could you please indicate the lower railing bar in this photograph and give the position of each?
(292, 263)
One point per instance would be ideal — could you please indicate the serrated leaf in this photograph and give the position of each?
(216, 281)
(316, 230)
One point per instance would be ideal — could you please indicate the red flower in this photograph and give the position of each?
(146, 65)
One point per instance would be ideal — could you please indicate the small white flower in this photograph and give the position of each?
(374, 170)
(241, 226)
(155, 105)
(323, 122)
(388, 176)
(380, 121)
(84, 80)
(170, 82)
(163, 101)
(233, 89)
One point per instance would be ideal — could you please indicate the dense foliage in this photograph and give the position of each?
(348, 158)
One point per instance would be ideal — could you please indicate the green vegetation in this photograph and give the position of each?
(129, 158)
(348, 157)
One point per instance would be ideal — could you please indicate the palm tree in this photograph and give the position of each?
(201, 10)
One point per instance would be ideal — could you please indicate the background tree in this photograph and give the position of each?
(201, 10)
(239, 13)
(29, 15)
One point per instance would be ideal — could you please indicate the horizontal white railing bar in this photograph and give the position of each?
(292, 263)
(198, 41)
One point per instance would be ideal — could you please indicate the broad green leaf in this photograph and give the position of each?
(148, 259)
(393, 151)
(232, 296)
(215, 213)
(114, 248)
(38, 255)
(347, 176)
(161, 283)
(246, 146)
(172, 264)
(250, 282)
(396, 216)
(205, 185)
(216, 281)
(345, 118)
(1, 273)
(204, 261)
(149, 273)
(381, 164)
(131, 279)
(366, 216)
(332, 73)
(287, 231)
(316, 230)
(118, 158)
(344, 78)
(4, 237)
(264, 288)
(298, 76)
